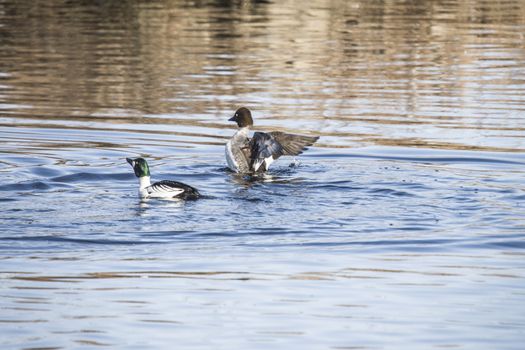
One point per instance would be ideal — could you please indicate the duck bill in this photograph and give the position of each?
(232, 119)
(130, 161)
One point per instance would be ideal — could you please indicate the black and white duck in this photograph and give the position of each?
(160, 189)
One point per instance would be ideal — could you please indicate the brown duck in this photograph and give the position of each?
(254, 155)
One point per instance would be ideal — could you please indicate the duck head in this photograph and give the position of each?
(140, 166)
(243, 117)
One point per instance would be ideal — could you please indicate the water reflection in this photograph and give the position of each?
(416, 243)
(426, 74)
(333, 297)
(279, 176)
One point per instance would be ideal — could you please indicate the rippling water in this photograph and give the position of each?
(402, 228)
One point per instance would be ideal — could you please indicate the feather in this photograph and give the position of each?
(167, 188)
(264, 149)
(293, 144)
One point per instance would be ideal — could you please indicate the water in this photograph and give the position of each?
(403, 227)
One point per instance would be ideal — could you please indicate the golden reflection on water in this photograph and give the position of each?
(441, 74)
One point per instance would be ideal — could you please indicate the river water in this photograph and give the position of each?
(403, 227)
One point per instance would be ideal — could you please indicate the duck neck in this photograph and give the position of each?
(244, 131)
(144, 181)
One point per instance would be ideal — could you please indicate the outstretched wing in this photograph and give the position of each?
(291, 144)
(167, 188)
(264, 150)
(267, 147)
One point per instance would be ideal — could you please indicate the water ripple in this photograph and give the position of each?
(401, 227)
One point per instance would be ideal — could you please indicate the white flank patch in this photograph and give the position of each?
(146, 190)
(257, 164)
(268, 161)
(165, 193)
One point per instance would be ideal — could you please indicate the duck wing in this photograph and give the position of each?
(292, 144)
(267, 147)
(167, 188)
(264, 150)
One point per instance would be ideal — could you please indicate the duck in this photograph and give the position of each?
(247, 155)
(160, 189)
